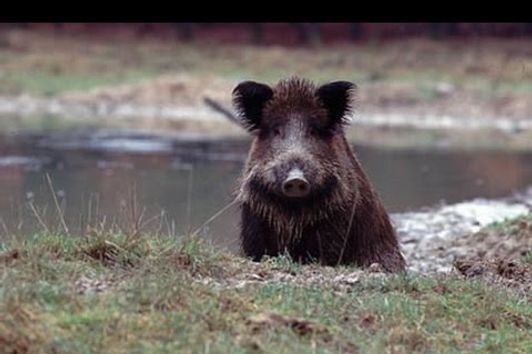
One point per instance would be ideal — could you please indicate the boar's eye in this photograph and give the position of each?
(321, 133)
(314, 131)
(269, 132)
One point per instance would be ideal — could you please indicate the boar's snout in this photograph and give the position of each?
(296, 185)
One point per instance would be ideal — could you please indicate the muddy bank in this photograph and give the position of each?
(386, 129)
(427, 86)
(180, 98)
(391, 116)
(434, 237)
(130, 112)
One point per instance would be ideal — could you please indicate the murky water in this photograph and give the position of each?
(175, 185)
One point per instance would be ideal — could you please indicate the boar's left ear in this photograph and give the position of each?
(337, 99)
(249, 98)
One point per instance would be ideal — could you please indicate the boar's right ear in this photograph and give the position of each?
(337, 98)
(249, 98)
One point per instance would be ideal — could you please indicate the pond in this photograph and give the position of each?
(173, 184)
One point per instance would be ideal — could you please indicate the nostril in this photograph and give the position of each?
(296, 187)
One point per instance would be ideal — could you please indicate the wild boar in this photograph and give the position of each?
(303, 192)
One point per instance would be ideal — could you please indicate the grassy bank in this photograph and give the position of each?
(485, 79)
(118, 294)
(50, 64)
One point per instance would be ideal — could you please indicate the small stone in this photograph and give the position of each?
(376, 268)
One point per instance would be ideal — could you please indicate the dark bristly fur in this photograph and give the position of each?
(341, 221)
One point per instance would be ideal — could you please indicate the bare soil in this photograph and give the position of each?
(434, 238)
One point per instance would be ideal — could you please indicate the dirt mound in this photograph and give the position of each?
(499, 272)
(171, 90)
(499, 254)
(506, 240)
(443, 99)
(440, 98)
(478, 229)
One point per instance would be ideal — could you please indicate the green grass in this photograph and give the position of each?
(511, 225)
(517, 229)
(165, 296)
(46, 83)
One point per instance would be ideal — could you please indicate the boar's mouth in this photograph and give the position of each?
(271, 194)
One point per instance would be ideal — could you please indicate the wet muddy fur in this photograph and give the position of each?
(300, 127)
